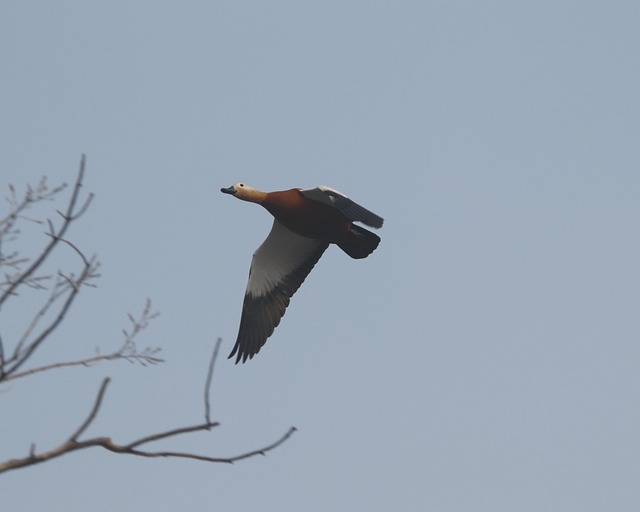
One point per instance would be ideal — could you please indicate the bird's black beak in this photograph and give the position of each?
(229, 190)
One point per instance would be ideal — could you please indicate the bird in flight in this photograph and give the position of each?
(305, 222)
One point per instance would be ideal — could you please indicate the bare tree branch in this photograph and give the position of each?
(21, 355)
(9, 232)
(90, 361)
(53, 312)
(128, 351)
(68, 217)
(106, 443)
(73, 443)
(66, 285)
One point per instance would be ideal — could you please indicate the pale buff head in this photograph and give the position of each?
(245, 192)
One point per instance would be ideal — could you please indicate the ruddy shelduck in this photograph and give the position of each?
(305, 222)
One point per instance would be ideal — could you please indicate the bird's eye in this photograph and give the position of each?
(242, 184)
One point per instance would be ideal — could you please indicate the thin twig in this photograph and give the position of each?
(227, 460)
(207, 385)
(63, 364)
(94, 411)
(2, 362)
(143, 358)
(171, 433)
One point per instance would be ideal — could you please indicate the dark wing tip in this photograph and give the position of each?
(260, 317)
(240, 355)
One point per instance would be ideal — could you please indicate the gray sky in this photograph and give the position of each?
(485, 358)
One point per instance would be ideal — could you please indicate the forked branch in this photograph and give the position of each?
(74, 442)
(68, 217)
(65, 288)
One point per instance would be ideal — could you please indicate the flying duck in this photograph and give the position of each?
(305, 222)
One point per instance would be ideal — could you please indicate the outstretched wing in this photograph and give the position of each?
(349, 208)
(278, 268)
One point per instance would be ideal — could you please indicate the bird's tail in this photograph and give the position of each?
(360, 243)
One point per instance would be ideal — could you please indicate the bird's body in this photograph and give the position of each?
(305, 223)
(307, 217)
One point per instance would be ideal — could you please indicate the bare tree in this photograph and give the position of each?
(21, 273)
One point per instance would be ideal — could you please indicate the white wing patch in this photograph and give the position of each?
(350, 209)
(282, 252)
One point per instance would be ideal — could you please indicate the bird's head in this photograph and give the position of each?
(245, 192)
